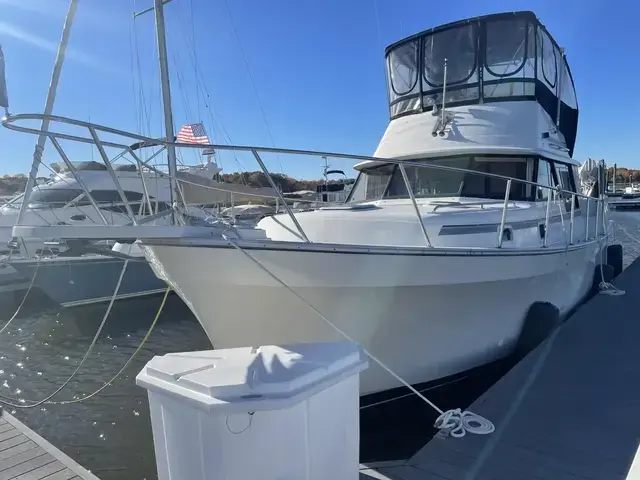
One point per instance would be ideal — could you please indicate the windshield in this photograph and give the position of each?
(386, 181)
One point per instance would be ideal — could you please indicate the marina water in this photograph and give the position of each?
(110, 433)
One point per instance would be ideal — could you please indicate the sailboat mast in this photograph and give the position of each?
(166, 93)
(48, 109)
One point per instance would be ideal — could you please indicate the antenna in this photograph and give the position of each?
(326, 170)
(444, 98)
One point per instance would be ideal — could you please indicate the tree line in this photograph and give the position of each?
(13, 184)
(624, 175)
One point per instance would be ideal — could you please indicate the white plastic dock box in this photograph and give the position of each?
(285, 413)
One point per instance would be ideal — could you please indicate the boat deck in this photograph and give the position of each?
(568, 411)
(25, 455)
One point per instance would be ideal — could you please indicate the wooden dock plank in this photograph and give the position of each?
(10, 452)
(567, 411)
(29, 465)
(25, 455)
(43, 472)
(65, 474)
(22, 457)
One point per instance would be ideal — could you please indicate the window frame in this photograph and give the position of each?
(572, 181)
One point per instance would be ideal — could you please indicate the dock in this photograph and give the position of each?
(567, 411)
(622, 203)
(25, 455)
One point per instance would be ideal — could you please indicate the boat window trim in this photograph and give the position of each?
(572, 184)
(546, 35)
(416, 71)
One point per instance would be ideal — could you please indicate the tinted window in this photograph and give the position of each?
(437, 182)
(506, 42)
(114, 196)
(403, 68)
(52, 197)
(458, 47)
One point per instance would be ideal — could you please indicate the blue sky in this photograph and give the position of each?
(317, 68)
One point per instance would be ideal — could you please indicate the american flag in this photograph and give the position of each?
(193, 133)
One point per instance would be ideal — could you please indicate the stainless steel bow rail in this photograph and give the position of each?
(93, 131)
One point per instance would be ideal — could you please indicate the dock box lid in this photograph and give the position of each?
(264, 378)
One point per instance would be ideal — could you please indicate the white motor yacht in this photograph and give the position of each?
(468, 214)
(501, 224)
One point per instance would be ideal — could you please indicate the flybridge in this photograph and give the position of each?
(494, 58)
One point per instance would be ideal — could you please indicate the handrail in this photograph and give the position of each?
(504, 213)
(10, 122)
(274, 186)
(415, 205)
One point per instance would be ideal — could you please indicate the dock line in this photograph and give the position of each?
(450, 421)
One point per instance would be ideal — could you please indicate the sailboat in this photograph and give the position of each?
(468, 213)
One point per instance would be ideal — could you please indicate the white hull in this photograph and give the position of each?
(426, 316)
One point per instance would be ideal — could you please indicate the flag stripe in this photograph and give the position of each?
(193, 133)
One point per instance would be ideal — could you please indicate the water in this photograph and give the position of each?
(110, 434)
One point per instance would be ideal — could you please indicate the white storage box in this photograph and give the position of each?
(285, 413)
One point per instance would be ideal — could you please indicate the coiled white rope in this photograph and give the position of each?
(449, 421)
(458, 423)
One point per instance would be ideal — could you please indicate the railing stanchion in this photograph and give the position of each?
(573, 215)
(277, 190)
(546, 217)
(504, 213)
(413, 200)
(586, 222)
(107, 163)
(144, 183)
(74, 172)
(597, 217)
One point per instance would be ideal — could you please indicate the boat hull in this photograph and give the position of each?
(76, 281)
(426, 316)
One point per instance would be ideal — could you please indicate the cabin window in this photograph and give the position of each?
(52, 197)
(403, 68)
(109, 197)
(548, 60)
(458, 47)
(506, 46)
(544, 180)
(371, 183)
(563, 177)
(448, 177)
(430, 182)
